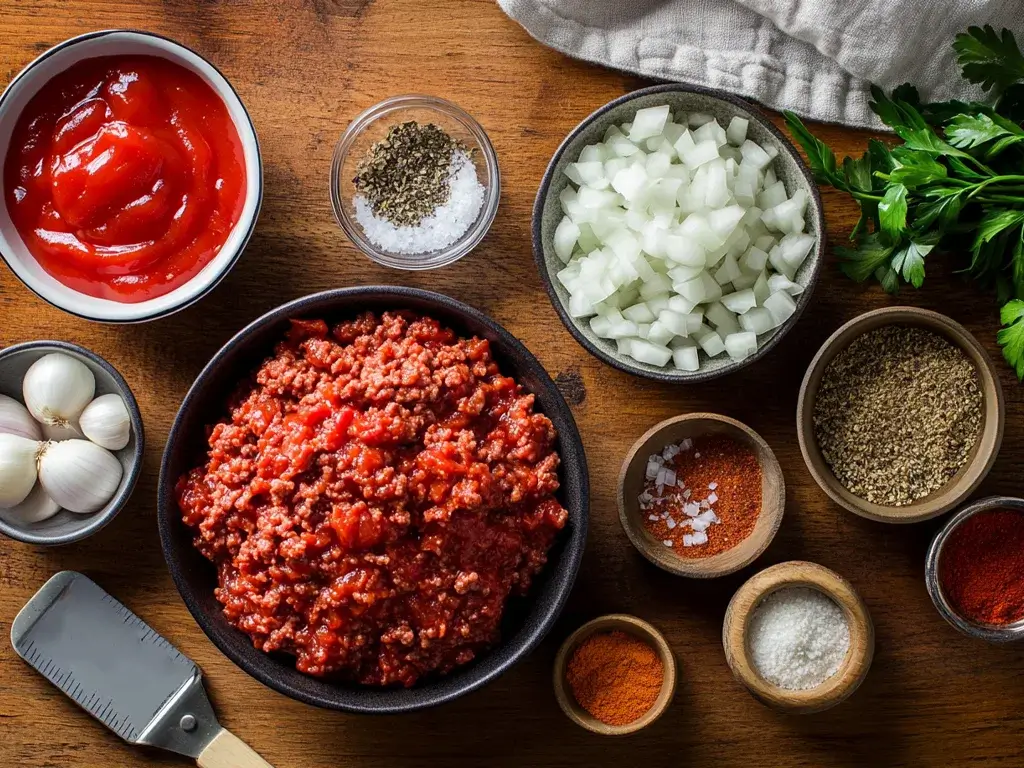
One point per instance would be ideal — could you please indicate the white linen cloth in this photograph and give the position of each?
(815, 57)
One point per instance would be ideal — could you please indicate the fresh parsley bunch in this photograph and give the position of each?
(956, 183)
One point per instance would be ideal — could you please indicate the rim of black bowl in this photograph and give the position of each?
(538, 244)
(351, 698)
(243, 244)
(115, 505)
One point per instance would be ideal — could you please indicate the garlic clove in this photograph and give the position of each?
(16, 420)
(106, 422)
(36, 508)
(56, 388)
(79, 475)
(17, 469)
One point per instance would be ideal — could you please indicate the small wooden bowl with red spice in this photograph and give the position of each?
(633, 629)
(740, 478)
(974, 570)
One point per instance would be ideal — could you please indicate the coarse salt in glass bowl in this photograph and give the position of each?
(373, 125)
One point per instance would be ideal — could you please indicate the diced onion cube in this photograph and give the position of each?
(684, 250)
(711, 343)
(646, 352)
(686, 359)
(781, 306)
(757, 320)
(741, 345)
(648, 122)
(659, 334)
(725, 322)
(673, 321)
(703, 152)
(740, 302)
(639, 313)
(778, 283)
(566, 235)
(736, 133)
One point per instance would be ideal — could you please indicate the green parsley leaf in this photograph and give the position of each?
(819, 156)
(910, 262)
(861, 262)
(995, 221)
(992, 61)
(943, 211)
(967, 131)
(914, 169)
(892, 211)
(1018, 265)
(1011, 337)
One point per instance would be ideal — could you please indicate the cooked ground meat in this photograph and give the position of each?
(377, 494)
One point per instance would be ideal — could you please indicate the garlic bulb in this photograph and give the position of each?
(17, 469)
(16, 420)
(36, 507)
(79, 475)
(106, 422)
(57, 388)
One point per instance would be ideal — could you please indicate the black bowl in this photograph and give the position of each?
(526, 620)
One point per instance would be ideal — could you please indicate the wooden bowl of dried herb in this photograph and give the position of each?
(900, 415)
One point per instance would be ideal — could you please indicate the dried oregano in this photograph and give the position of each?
(897, 414)
(405, 175)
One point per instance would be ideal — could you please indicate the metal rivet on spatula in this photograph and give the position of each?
(188, 723)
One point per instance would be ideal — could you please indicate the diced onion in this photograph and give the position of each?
(678, 239)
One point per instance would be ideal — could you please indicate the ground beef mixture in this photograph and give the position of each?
(378, 493)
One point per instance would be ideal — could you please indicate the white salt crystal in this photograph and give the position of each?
(686, 493)
(440, 229)
(686, 445)
(712, 498)
(667, 542)
(670, 523)
(798, 638)
(652, 518)
(695, 539)
(712, 486)
(691, 510)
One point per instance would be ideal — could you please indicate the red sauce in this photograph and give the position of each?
(377, 494)
(124, 176)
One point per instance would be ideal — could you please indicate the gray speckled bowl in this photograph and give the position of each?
(67, 527)
(547, 212)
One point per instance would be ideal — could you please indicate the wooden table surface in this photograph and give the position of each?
(304, 68)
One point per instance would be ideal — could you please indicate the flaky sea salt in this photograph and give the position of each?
(440, 229)
(798, 638)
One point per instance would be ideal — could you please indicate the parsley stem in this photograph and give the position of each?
(1015, 200)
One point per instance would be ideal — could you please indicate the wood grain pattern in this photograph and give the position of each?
(851, 673)
(633, 478)
(304, 68)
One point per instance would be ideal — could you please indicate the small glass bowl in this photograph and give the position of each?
(371, 126)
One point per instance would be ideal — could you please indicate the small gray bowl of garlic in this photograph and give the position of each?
(71, 442)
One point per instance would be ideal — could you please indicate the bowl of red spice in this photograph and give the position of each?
(701, 495)
(615, 675)
(975, 570)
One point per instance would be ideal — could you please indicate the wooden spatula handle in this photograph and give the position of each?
(228, 751)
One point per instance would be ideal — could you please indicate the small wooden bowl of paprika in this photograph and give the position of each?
(615, 675)
(974, 570)
(743, 533)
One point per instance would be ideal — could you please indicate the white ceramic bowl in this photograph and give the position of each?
(120, 42)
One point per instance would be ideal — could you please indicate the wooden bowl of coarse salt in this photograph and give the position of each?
(910, 410)
(716, 512)
(799, 637)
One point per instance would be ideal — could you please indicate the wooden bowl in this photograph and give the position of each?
(631, 484)
(985, 450)
(851, 672)
(610, 623)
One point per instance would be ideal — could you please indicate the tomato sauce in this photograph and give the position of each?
(374, 498)
(124, 176)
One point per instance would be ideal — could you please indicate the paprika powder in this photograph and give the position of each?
(616, 677)
(981, 569)
(702, 496)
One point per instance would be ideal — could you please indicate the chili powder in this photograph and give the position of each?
(714, 467)
(616, 677)
(982, 567)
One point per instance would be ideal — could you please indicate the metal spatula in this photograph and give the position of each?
(114, 666)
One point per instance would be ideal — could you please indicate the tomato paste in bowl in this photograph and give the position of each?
(131, 178)
(374, 499)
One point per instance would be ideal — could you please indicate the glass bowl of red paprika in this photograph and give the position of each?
(132, 176)
(975, 570)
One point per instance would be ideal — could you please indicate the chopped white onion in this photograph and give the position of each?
(678, 239)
